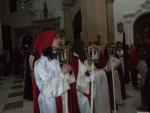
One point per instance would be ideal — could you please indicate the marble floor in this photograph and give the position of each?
(11, 97)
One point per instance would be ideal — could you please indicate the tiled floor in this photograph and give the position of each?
(11, 97)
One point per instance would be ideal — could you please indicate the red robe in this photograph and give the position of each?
(35, 96)
(72, 93)
(133, 59)
(103, 58)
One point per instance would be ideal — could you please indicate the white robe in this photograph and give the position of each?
(115, 63)
(51, 83)
(101, 99)
(121, 54)
(83, 87)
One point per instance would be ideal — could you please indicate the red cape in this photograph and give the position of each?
(72, 93)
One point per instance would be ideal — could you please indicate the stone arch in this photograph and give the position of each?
(22, 36)
(130, 19)
(141, 29)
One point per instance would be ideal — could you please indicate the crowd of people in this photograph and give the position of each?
(57, 87)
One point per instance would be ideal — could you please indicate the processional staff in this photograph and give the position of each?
(112, 50)
(93, 55)
(63, 56)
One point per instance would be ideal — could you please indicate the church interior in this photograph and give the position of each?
(106, 27)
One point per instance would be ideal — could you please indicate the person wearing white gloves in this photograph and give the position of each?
(83, 76)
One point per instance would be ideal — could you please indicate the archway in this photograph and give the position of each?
(141, 29)
(130, 20)
(77, 25)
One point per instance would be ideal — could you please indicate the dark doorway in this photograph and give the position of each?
(6, 36)
(27, 40)
(141, 29)
(77, 25)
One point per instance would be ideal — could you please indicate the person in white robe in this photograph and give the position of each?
(49, 76)
(101, 98)
(83, 86)
(120, 54)
(113, 64)
(83, 78)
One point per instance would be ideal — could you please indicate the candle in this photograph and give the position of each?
(65, 55)
(92, 54)
(62, 56)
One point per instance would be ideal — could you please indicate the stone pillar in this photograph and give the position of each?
(70, 10)
(101, 20)
(1, 41)
(110, 21)
(88, 20)
(94, 20)
(68, 27)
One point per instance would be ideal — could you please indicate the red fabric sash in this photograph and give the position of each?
(59, 104)
(72, 93)
(102, 61)
(35, 96)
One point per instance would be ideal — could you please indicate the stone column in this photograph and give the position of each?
(101, 20)
(94, 20)
(70, 10)
(88, 20)
(110, 21)
(68, 27)
(1, 41)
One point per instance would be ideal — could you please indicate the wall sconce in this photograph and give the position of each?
(120, 27)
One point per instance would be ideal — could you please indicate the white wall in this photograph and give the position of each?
(122, 7)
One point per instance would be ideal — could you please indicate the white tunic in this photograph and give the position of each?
(115, 63)
(51, 83)
(101, 100)
(83, 87)
(121, 54)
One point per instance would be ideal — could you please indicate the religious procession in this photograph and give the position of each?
(80, 79)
